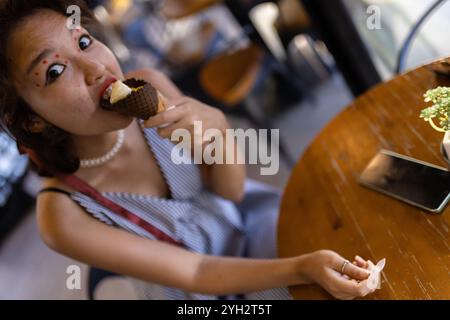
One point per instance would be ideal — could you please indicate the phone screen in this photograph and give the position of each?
(407, 179)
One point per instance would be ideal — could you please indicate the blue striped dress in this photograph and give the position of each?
(203, 221)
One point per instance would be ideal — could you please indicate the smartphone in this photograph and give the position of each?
(413, 181)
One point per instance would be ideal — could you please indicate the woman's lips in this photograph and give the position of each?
(105, 86)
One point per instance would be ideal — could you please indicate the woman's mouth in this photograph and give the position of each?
(106, 91)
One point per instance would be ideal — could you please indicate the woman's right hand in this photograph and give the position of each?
(324, 267)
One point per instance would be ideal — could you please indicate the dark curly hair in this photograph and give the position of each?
(53, 148)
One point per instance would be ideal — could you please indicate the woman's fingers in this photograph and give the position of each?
(351, 270)
(356, 272)
(166, 131)
(348, 280)
(360, 262)
(164, 118)
(364, 289)
(352, 288)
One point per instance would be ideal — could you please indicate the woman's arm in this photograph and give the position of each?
(67, 229)
(227, 179)
(322, 267)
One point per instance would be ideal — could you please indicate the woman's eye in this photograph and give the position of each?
(84, 42)
(54, 72)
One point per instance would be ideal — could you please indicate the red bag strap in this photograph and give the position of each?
(86, 189)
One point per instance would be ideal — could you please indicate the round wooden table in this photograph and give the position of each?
(324, 207)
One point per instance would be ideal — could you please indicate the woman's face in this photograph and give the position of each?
(61, 73)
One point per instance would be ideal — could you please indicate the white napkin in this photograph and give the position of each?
(374, 280)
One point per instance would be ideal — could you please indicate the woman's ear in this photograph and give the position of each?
(36, 125)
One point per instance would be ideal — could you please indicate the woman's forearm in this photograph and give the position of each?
(226, 275)
(228, 179)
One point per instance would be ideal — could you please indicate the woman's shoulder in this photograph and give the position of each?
(56, 212)
(54, 195)
(54, 184)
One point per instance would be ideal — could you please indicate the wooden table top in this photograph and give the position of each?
(324, 207)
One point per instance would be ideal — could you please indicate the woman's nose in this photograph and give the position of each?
(93, 71)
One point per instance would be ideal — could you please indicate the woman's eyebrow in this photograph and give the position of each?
(38, 58)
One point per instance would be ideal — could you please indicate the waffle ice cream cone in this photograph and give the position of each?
(135, 98)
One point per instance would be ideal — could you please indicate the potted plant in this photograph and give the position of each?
(438, 115)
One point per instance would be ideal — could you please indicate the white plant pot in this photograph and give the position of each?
(445, 146)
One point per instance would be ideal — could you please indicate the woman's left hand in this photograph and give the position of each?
(186, 113)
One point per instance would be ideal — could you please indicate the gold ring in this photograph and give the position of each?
(344, 265)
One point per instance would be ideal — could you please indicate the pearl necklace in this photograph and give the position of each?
(95, 162)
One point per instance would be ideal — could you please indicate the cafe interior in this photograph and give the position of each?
(363, 166)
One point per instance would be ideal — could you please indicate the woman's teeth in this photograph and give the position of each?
(108, 92)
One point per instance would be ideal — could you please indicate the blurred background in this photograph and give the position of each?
(288, 64)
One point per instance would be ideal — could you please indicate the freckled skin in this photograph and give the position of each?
(72, 101)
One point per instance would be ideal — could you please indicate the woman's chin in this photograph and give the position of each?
(125, 121)
(118, 119)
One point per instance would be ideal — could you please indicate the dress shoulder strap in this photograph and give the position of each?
(52, 189)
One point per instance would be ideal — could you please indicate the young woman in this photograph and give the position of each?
(52, 80)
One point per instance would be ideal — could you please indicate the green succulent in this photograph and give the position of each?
(440, 110)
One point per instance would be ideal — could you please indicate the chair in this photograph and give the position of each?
(230, 77)
(177, 9)
(95, 277)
